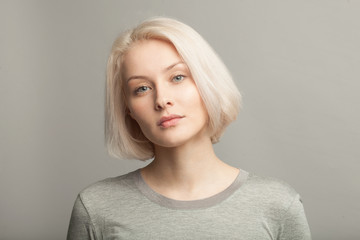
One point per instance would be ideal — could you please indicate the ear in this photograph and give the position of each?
(129, 113)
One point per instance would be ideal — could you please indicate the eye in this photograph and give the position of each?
(142, 89)
(178, 78)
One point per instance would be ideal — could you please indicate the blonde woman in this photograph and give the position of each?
(170, 97)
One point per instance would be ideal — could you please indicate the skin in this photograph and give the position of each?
(158, 84)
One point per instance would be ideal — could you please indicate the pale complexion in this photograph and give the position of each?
(164, 100)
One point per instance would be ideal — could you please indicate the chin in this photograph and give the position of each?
(178, 137)
(178, 141)
(169, 143)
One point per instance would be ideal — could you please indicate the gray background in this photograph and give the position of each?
(295, 62)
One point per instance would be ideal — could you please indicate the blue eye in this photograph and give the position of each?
(142, 89)
(178, 78)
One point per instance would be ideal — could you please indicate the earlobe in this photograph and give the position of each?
(129, 113)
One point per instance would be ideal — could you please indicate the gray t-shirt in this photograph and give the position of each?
(125, 207)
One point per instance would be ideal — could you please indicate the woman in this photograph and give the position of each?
(169, 97)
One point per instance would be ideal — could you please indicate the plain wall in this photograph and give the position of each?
(297, 64)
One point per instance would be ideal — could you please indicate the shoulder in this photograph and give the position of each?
(271, 186)
(109, 190)
(273, 196)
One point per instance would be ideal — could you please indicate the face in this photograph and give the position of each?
(162, 96)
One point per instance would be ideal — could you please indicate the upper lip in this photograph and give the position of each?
(168, 117)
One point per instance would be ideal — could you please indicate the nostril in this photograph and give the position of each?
(159, 105)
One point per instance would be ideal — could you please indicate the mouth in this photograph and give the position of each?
(169, 121)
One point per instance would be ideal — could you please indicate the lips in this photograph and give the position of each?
(169, 121)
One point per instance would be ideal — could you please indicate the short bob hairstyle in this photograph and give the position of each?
(123, 136)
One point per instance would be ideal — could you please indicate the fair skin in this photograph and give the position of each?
(163, 99)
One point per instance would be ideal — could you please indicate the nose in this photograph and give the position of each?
(162, 100)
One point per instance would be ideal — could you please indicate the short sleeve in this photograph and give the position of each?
(294, 225)
(80, 226)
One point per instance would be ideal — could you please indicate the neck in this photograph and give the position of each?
(185, 171)
(186, 161)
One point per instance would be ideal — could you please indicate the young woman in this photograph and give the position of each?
(169, 97)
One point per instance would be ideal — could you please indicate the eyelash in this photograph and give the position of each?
(140, 90)
(177, 80)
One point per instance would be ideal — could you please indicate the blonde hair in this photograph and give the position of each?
(123, 136)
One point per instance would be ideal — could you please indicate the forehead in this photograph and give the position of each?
(149, 55)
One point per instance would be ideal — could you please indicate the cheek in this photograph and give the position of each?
(138, 111)
(191, 97)
(195, 103)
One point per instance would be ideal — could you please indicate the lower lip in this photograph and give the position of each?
(170, 123)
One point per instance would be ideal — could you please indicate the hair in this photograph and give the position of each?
(123, 136)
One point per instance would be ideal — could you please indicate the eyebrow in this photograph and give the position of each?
(173, 65)
(165, 70)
